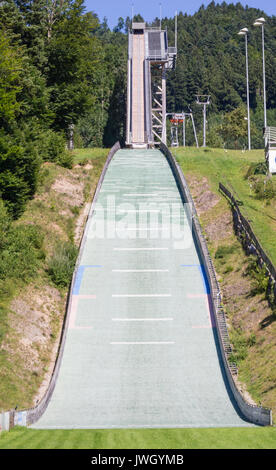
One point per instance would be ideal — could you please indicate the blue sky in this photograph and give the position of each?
(149, 9)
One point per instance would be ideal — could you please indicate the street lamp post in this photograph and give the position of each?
(243, 32)
(261, 22)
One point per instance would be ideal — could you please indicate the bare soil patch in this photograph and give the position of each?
(71, 192)
(220, 228)
(203, 197)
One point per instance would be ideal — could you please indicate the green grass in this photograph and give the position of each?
(195, 438)
(230, 168)
(81, 155)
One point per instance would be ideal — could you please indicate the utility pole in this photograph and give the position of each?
(203, 100)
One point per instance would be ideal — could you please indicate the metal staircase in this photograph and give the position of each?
(270, 148)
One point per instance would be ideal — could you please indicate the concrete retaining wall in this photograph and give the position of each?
(255, 414)
(5, 421)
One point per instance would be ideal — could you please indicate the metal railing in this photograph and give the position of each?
(172, 50)
(157, 54)
(270, 136)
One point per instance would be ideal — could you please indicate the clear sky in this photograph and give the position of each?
(150, 9)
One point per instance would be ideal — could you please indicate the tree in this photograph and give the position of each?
(73, 59)
(120, 25)
(10, 73)
(234, 127)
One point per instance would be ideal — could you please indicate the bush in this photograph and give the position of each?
(251, 340)
(21, 253)
(15, 192)
(61, 264)
(259, 168)
(224, 250)
(66, 159)
(240, 345)
(259, 276)
(265, 189)
(50, 145)
(19, 166)
(228, 269)
(4, 223)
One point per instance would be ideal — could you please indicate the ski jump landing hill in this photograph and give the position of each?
(144, 341)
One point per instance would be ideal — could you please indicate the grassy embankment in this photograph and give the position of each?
(36, 270)
(251, 321)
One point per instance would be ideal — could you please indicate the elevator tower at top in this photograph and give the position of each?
(149, 58)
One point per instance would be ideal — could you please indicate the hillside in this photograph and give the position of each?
(33, 294)
(250, 318)
(211, 60)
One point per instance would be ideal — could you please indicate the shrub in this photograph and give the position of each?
(52, 148)
(239, 346)
(259, 168)
(4, 223)
(50, 145)
(66, 159)
(61, 264)
(15, 192)
(259, 276)
(251, 340)
(19, 166)
(228, 269)
(224, 250)
(263, 187)
(21, 252)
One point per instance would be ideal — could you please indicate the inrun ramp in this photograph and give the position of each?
(141, 347)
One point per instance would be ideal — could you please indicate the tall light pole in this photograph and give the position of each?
(203, 100)
(243, 32)
(261, 22)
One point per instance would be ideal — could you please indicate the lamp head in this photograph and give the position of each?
(259, 22)
(243, 32)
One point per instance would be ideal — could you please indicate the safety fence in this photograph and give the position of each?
(253, 413)
(27, 417)
(249, 240)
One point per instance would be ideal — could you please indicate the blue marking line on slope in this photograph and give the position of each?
(202, 273)
(79, 276)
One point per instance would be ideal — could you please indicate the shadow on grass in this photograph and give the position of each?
(268, 321)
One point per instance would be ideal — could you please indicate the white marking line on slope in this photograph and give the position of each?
(142, 319)
(141, 295)
(138, 194)
(145, 228)
(140, 270)
(141, 342)
(141, 249)
(139, 210)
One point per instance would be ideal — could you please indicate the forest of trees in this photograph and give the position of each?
(63, 69)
